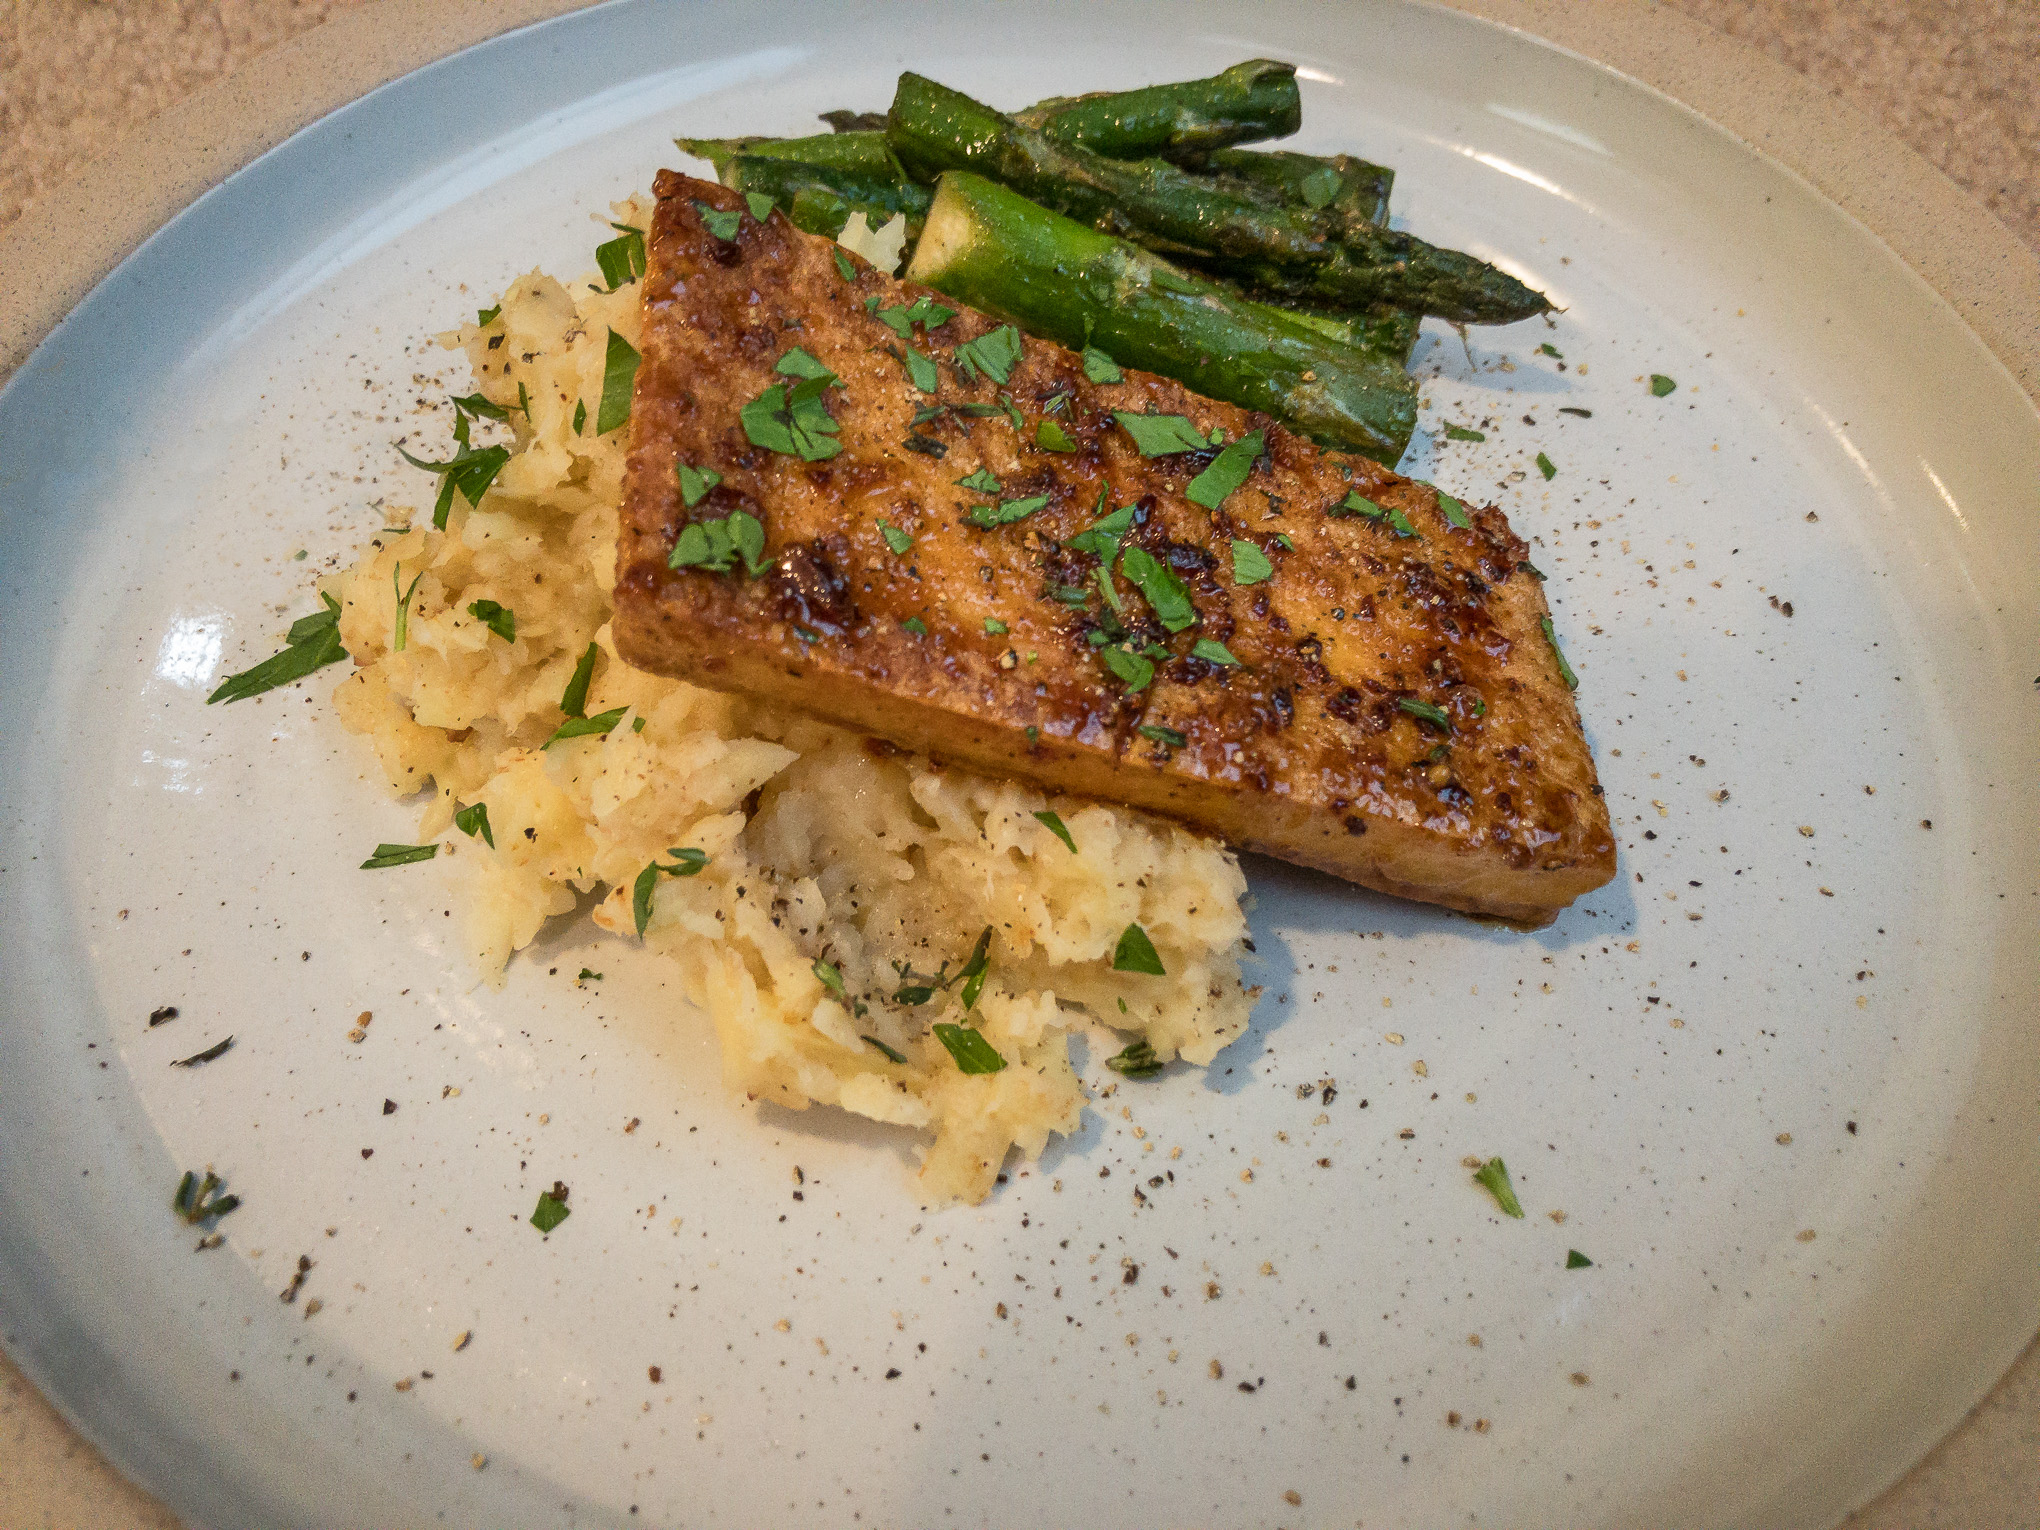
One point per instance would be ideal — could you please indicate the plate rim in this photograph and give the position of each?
(84, 228)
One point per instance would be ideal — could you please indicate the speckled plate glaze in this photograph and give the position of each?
(1777, 1082)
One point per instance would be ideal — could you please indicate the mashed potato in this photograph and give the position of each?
(838, 869)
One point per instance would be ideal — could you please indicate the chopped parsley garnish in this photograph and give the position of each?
(314, 643)
(1053, 823)
(622, 259)
(1494, 1174)
(716, 545)
(1547, 467)
(994, 627)
(972, 1052)
(473, 820)
(1356, 503)
(759, 203)
(927, 446)
(1425, 711)
(588, 977)
(580, 417)
(619, 371)
(402, 636)
(915, 625)
(1169, 738)
(1162, 435)
(921, 371)
(982, 481)
(498, 618)
(601, 725)
(1162, 589)
(973, 970)
(1072, 595)
(723, 225)
(484, 317)
(1228, 470)
(891, 1055)
(830, 976)
(199, 1200)
(1131, 668)
(1102, 539)
(1319, 187)
(1102, 577)
(1455, 512)
(895, 538)
(1282, 539)
(1548, 349)
(686, 863)
(552, 1204)
(574, 699)
(695, 482)
(1660, 385)
(790, 418)
(470, 469)
(843, 267)
(1051, 437)
(995, 354)
(1249, 564)
(1575, 1260)
(1005, 512)
(1461, 433)
(1101, 368)
(199, 1059)
(481, 406)
(1565, 670)
(398, 855)
(1137, 1061)
(1585, 414)
(1211, 651)
(1136, 953)
(923, 311)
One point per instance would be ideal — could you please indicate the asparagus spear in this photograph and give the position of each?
(860, 151)
(995, 250)
(801, 189)
(933, 128)
(1257, 99)
(1344, 191)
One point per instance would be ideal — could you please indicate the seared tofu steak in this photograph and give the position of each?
(848, 495)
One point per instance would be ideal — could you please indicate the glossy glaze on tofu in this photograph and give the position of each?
(1397, 713)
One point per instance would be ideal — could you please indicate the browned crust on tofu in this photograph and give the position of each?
(1303, 752)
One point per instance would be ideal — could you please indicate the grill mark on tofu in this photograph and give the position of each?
(1303, 750)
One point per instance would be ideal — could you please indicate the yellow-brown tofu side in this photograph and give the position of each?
(1397, 716)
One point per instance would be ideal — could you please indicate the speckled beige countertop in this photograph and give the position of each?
(1959, 81)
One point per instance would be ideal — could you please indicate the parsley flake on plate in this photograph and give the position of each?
(1137, 1061)
(552, 1204)
(1661, 385)
(398, 855)
(314, 642)
(1494, 1175)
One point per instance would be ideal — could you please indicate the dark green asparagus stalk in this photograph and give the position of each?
(817, 192)
(860, 151)
(1249, 101)
(1004, 255)
(1345, 192)
(933, 129)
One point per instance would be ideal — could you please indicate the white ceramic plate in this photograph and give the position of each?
(1771, 1329)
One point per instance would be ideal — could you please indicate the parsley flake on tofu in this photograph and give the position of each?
(1228, 470)
(985, 517)
(398, 855)
(313, 643)
(1565, 670)
(1211, 651)
(716, 545)
(1162, 435)
(1455, 511)
(1133, 670)
(695, 482)
(1053, 823)
(1249, 564)
(760, 205)
(1101, 368)
(619, 371)
(622, 259)
(1426, 711)
(896, 539)
(1137, 1061)
(1494, 1175)
(473, 820)
(915, 625)
(1162, 589)
(723, 225)
(1155, 733)
(982, 481)
(1051, 437)
(552, 1204)
(1356, 503)
(995, 354)
(1136, 953)
(994, 627)
(686, 863)
(973, 1054)
(923, 311)
(1103, 537)
(843, 267)
(921, 371)
(790, 418)
(497, 617)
